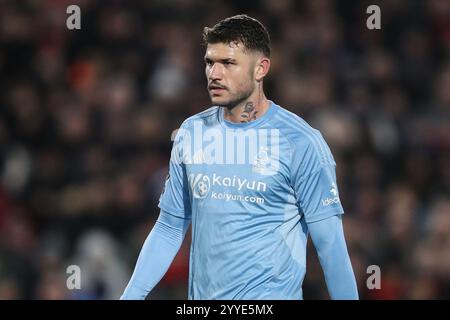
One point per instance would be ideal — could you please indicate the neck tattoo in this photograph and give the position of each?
(249, 112)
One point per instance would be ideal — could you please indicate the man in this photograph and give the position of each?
(254, 179)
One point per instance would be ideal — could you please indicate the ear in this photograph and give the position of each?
(262, 67)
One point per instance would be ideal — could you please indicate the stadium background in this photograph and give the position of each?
(86, 118)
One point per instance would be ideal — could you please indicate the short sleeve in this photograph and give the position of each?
(175, 195)
(313, 178)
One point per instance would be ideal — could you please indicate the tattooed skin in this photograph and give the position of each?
(249, 112)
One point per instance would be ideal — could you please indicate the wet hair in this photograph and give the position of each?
(239, 29)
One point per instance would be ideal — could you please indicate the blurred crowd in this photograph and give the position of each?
(86, 118)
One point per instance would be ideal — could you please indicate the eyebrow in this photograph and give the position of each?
(207, 59)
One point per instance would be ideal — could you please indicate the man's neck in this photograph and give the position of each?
(248, 110)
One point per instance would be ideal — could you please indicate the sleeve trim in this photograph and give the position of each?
(172, 211)
(324, 215)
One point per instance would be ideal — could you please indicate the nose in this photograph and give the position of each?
(215, 72)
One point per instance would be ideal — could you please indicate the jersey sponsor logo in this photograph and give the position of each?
(236, 197)
(332, 200)
(202, 184)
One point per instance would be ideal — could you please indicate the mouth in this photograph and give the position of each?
(215, 89)
(216, 92)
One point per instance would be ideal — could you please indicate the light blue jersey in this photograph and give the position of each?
(250, 190)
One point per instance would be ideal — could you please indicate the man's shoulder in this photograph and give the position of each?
(294, 127)
(200, 116)
(303, 138)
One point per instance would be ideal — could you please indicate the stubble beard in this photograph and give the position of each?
(237, 99)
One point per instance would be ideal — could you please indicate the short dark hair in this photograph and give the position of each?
(240, 28)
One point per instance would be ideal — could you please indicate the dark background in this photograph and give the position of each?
(86, 117)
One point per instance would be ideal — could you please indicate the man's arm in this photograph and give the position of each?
(157, 253)
(329, 241)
